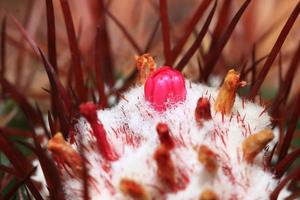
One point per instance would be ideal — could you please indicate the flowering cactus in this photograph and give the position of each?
(167, 138)
(165, 87)
(209, 146)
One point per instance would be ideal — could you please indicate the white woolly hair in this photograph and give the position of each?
(134, 119)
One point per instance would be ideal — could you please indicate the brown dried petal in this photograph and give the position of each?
(145, 65)
(226, 96)
(63, 150)
(208, 194)
(255, 143)
(208, 158)
(133, 189)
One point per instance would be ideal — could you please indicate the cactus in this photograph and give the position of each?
(165, 153)
(94, 134)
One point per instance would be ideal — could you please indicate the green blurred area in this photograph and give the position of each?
(18, 122)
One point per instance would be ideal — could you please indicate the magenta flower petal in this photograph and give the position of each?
(163, 87)
(149, 91)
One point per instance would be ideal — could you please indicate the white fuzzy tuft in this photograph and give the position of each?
(134, 120)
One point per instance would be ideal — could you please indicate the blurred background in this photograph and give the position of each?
(128, 28)
(259, 26)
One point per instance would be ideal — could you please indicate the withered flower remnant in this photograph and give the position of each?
(227, 92)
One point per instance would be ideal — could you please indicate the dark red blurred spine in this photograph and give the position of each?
(89, 111)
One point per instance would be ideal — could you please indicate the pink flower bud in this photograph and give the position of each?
(164, 87)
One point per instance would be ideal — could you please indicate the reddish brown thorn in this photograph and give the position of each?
(189, 29)
(284, 181)
(197, 43)
(124, 30)
(208, 158)
(99, 69)
(164, 136)
(3, 48)
(133, 189)
(262, 112)
(214, 55)
(165, 167)
(163, 8)
(226, 96)
(151, 38)
(75, 53)
(208, 194)
(89, 111)
(274, 52)
(283, 165)
(105, 59)
(285, 87)
(51, 34)
(63, 150)
(294, 119)
(255, 143)
(202, 111)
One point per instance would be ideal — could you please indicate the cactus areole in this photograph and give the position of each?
(166, 141)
